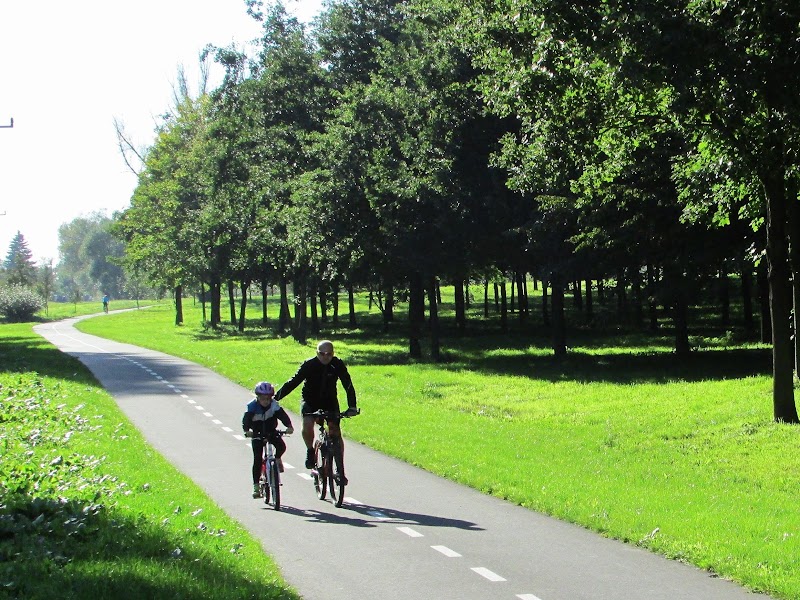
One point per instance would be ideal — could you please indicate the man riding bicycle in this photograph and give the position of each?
(260, 422)
(319, 376)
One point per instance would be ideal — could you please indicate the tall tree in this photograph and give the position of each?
(20, 268)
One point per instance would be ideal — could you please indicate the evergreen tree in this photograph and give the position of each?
(20, 267)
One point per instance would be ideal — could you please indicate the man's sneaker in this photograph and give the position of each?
(340, 479)
(280, 465)
(256, 491)
(309, 459)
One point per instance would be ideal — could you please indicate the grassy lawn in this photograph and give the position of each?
(79, 519)
(680, 457)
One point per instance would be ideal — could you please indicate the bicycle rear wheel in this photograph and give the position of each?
(337, 480)
(275, 484)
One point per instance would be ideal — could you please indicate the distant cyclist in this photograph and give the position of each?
(319, 376)
(260, 422)
(106, 300)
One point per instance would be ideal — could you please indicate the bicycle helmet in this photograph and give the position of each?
(265, 388)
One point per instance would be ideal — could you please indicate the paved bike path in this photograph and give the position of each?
(402, 533)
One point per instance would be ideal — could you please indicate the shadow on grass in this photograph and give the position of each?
(613, 357)
(610, 356)
(24, 354)
(71, 550)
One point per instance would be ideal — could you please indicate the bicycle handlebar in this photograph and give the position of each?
(278, 432)
(332, 414)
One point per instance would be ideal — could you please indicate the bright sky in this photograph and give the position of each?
(67, 69)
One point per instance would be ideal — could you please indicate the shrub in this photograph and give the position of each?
(19, 303)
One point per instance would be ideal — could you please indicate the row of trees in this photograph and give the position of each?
(90, 264)
(397, 144)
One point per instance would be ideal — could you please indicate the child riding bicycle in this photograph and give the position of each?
(260, 422)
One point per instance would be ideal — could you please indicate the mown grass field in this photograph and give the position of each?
(680, 457)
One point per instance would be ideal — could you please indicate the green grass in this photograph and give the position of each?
(622, 437)
(79, 519)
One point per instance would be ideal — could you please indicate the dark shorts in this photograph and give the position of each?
(307, 408)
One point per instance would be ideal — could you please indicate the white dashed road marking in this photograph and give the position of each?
(410, 532)
(447, 552)
(527, 597)
(490, 575)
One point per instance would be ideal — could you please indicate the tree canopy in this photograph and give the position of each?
(397, 144)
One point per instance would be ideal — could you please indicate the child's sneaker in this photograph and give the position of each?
(256, 491)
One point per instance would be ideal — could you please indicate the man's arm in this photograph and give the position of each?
(292, 383)
(283, 417)
(347, 384)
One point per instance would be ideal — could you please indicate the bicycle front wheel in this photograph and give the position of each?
(275, 484)
(336, 480)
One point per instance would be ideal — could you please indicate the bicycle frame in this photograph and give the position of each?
(328, 472)
(270, 480)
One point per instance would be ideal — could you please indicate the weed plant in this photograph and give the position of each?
(678, 456)
(79, 519)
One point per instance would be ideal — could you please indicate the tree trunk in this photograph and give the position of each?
(636, 293)
(577, 295)
(216, 301)
(351, 301)
(416, 315)
(559, 333)
(680, 318)
(747, 296)
(724, 296)
(335, 301)
(434, 320)
(793, 236)
(519, 281)
(232, 301)
(178, 305)
(763, 303)
(461, 318)
(545, 313)
(388, 306)
(485, 298)
(264, 295)
(652, 306)
(503, 306)
(622, 298)
(312, 296)
(284, 317)
(323, 303)
(589, 302)
(780, 298)
(203, 301)
(300, 330)
(243, 304)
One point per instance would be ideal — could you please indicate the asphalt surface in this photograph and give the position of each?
(402, 533)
